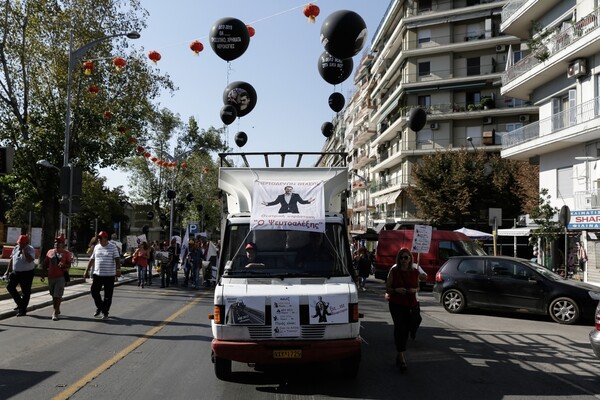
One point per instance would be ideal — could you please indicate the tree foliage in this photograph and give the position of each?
(457, 188)
(193, 146)
(34, 59)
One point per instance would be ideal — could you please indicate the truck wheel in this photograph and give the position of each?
(350, 367)
(222, 368)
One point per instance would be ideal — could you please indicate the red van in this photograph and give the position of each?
(444, 244)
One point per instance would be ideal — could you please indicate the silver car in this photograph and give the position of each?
(595, 334)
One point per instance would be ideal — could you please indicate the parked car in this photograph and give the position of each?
(595, 334)
(512, 284)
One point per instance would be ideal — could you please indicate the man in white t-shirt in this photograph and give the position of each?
(114, 239)
(106, 264)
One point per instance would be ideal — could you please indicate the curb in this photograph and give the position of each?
(48, 302)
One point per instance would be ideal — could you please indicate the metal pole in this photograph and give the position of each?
(68, 238)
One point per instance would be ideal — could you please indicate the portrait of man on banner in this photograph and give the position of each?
(288, 205)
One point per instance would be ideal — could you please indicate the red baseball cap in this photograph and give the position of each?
(103, 234)
(23, 239)
(251, 246)
(59, 239)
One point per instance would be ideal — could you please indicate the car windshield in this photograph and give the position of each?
(545, 272)
(285, 253)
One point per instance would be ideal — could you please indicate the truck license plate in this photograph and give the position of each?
(287, 353)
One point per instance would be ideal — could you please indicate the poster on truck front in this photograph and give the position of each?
(288, 205)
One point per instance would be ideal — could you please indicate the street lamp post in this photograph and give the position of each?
(74, 57)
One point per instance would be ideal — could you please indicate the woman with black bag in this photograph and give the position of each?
(401, 289)
(56, 266)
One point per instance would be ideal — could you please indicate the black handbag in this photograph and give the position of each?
(67, 276)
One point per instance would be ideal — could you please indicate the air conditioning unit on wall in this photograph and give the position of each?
(487, 120)
(500, 48)
(577, 68)
(434, 125)
(523, 118)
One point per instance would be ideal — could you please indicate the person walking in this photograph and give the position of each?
(151, 260)
(401, 289)
(196, 258)
(174, 251)
(363, 265)
(57, 261)
(106, 268)
(140, 259)
(20, 271)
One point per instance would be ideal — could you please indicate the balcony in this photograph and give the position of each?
(553, 58)
(587, 200)
(559, 131)
(518, 14)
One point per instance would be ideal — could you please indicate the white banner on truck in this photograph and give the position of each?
(288, 205)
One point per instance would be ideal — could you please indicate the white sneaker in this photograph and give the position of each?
(54, 317)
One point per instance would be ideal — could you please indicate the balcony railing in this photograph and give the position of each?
(565, 119)
(510, 8)
(553, 45)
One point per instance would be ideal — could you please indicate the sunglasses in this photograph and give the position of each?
(405, 257)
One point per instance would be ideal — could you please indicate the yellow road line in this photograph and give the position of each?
(76, 386)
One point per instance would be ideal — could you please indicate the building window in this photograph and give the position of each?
(513, 126)
(424, 101)
(473, 66)
(564, 182)
(424, 5)
(424, 36)
(473, 98)
(424, 68)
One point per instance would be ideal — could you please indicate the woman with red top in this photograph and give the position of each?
(57, 261)
(140, 259)
(401, 289)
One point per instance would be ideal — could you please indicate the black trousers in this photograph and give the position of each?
(108, 283)
(401, 317)
(24, 279)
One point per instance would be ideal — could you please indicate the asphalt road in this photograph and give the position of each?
(156, 345)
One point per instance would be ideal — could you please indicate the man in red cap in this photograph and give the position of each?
(57, 261)
(106, 267)
(20, 271)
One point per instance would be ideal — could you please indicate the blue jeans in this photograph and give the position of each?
(196, 276)
(141, 273)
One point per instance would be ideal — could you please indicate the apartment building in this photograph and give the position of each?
(559, 72)
(448, 57)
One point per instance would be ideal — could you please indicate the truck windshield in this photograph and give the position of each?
(285, 253)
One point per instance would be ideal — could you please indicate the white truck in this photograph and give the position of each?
(296, 301)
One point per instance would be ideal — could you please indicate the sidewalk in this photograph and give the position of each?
(41, 298)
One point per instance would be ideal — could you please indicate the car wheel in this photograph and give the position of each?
(564, 311)
(453, 301)
(222, 368)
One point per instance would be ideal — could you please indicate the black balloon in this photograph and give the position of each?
(241, 138)
(240, 95)
(343, 34)
(336, 101)
(327, 129)
(417, 117)
(228, 114)
(229, 38)
(333, 69)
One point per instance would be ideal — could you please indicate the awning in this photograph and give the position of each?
(389, 198)
(514, 232)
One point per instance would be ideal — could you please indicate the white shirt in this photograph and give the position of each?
(19, 262)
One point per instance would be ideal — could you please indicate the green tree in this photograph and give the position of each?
(34, 54)
(194, 172)
(457, 188)
(548, 228)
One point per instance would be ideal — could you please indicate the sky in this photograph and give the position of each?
(280, 63)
